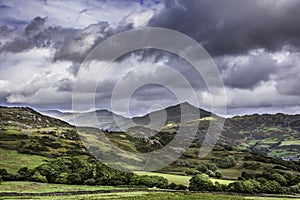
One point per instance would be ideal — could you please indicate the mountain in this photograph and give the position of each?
(23, 132)
(101, 119)
(274, 135)
(173, 114)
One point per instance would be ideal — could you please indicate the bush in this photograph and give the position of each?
(248, 186)
(38, 177)
(279, 178)
(218, 174)
(3, 172)
(191, 171)
(212, 166)
(74, 178)
(202, 168)
(200, 182)
(180, 187)
(25, 173)
(149, 181)
(172, 186)
(272, 187)
(62, 178)
(227, 162)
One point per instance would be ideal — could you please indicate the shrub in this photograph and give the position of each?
(180, 187)
(3, 172)
(149, 181)
(191, 171)
(247, 186)
(202, 168)
(212, 166)
(38, 177)
(200, 182)
(62, 178)
(227, 162)
(279, 178)
(172, 186)
(74, 178)
(272, 187)
(218, 174)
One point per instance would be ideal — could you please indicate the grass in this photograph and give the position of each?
(179, 179)
(290, 142)
(23, 186)
(12, 160)
(150, 196)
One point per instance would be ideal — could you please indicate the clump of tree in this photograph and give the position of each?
(201, 182)
(271, 181)
(71, 170)
(226, 162)
(149, 181)
(210, 169)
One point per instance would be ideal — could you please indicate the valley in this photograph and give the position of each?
(248, 148)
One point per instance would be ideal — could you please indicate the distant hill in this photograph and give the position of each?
(102, 119)
(251, 140)
(276, 135)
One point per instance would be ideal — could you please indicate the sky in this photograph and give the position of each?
(255, 45)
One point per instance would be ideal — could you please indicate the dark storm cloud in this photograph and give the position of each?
(69, 43)
(250, 73)
(234, 26)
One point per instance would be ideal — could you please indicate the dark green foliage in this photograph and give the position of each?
(174, 186)
(191, 171)
(180, 187)
(279, 178)
(211, 166)
(3, 172)
(247, 186)
(149, 181)
(57, 169)
(272, 187)
(200, 182)
(90, 181)
(38, 177)
(74, 178)
(202, 168)
(226, 162)
(25, 173)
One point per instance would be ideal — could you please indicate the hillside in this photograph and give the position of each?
(27, 131)
(274, 135)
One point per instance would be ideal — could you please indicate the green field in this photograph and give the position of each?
(12, 161)
(148, 196)
(23, 186)
(178, 179)
(290, 142)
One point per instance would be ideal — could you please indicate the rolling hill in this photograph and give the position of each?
(250, 140)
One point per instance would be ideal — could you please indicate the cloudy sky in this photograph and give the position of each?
(255, 45)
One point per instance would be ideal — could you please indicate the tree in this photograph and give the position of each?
(38, 177)
(212, 166)
(74, 178)
(279, 178)
(272, 187)
(200, 182)
(202, 168)
(149, 181)
(227, 162)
